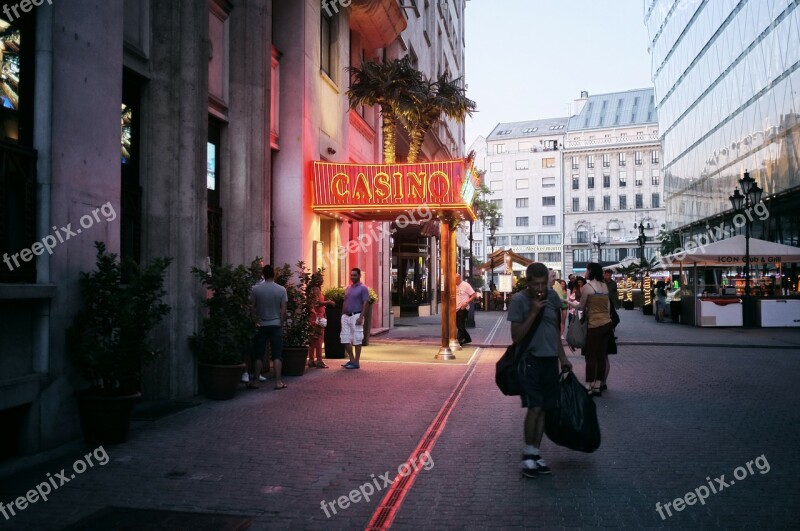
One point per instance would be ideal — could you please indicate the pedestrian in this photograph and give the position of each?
(564, 306)
(249, 353)
(540, 359)
(464, 296)
(661, 301)
(613, 294)
(319, 304)
(269, 300)
(595, 302)
(356, 301)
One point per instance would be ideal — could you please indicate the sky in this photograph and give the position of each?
(529, 59)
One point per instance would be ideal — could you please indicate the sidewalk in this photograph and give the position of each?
(634, 329)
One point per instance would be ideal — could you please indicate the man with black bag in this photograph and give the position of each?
(537, 306)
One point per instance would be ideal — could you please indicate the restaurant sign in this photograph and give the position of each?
(380, 191)
(753, 259)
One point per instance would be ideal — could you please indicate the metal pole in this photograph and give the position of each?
(445, 353)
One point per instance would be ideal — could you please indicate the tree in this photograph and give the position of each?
(392, 85)
(670, 240)
(484, 208)
(446, 97)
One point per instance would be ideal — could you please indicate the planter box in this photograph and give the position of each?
(219, 382)
(333, 346)
(294, 361)
(105, 419)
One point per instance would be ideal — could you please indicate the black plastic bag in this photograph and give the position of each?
(573, 423)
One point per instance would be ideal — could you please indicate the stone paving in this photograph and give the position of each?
(675, 414)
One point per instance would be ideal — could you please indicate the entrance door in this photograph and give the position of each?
(412, 283)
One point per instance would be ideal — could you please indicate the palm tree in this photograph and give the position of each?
(444, 96)
(392, 85)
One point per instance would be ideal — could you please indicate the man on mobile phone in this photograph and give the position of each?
(540, 358)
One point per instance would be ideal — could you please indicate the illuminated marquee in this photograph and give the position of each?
(376, 191)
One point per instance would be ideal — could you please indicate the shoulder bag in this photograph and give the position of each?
(506, 374)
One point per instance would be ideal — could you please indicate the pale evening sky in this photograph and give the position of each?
(527, 59)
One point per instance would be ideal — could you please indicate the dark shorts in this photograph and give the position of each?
(272, 335)
(539, 382)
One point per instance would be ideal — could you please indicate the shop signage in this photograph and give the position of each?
(753, 259)
(386, 188)
(537, 248)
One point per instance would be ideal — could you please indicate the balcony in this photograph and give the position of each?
(611, 141)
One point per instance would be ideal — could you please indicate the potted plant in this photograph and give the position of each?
(226, 332)
(333, 345)
(299, 327)
(109, 340)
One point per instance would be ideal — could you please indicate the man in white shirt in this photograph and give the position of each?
(464, 295)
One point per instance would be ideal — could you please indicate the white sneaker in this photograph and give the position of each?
(261, 378)
(245, 378)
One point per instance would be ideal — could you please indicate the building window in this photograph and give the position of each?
(575, 182)
(654, 156)
(637, 158)
(590, 161)
(529, 130)
(522, 202)
(582, 236)
(548, 220)
(548, 182)
(622, 159)
(639, 201)
(575, 163)
(504, 132)
(496, 185)
(606, 202)
(497, 203)
(549, 257)
(521, 164)
(639, 177)
(655, 201)
(499, 148)
(522, 184)
(590, 204)
(576, 204)
(498, 222)
(655, 178)
(610, 254)
(606, 181)
(523, 146)
(496, 166)
(581, 255)
(590, 181)
(476, 246)
(623, 179)
(214, 210)
(606, 160)
(523, 239)
(623, 202)
(549, 239)
(549, 162)
(549, 200)
(522, 221)
(326, 43)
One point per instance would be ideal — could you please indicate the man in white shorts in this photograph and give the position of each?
(356, 303)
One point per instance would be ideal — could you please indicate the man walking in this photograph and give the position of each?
(613, 294)
(269, 300)
(464, 296)
(356, 303)
(538, 305)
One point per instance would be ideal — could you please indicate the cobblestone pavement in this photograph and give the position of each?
(673, 417)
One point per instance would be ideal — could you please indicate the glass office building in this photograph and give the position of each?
(727, 83)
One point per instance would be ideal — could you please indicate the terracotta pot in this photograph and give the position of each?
(219, 382)
(294, 361)
(105, 419)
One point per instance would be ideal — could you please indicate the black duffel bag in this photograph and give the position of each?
(506, 371)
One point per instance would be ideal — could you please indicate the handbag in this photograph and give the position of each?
(322, 322)
(612, 344)
(506, 373)
(577, 331)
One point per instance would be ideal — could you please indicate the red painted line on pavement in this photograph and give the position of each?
(384, 515)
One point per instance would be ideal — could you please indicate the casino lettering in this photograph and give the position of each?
(380, 186)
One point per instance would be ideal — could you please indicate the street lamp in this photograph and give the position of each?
(743, 202)
(492, 241)
(599, 245)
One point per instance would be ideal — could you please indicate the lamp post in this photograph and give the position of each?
(492, 241)
(641, 240)
(742, 203)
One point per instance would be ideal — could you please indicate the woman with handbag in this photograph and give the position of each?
(320, 322)
(595, 304)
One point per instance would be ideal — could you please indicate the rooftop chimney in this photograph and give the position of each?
(580, 102)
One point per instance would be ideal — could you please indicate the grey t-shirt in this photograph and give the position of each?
(267, 298)
(544, 343)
